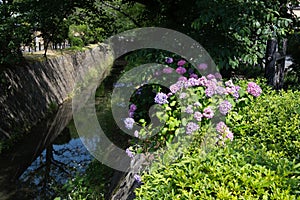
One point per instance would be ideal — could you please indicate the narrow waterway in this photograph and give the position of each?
(52, 153)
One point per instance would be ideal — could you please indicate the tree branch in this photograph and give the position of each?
(122, 12)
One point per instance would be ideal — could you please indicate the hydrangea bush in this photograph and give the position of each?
(194, 101)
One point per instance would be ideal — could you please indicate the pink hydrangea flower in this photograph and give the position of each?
(129, 153)
(180, 70)
(218, 75)
(224, 107)
(254, 89)
(169, 60)
(208, 112)
(202, 66)
(221, 127)
(182, 78)
(192, 75)
(210, 76)
(167, 70)
(198, 116)
(181, 62)
(191, 127)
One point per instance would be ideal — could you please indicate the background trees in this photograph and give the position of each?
(234, 32)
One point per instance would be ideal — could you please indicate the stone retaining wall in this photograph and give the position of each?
(29, 92)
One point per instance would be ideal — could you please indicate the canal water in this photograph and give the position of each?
(52, 153)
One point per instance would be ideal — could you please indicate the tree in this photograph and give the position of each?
(14, 30)
(234, 32)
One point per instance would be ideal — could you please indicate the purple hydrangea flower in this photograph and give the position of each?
(254, 89)
(129, 122)
(129, 153)
(209, 92)
(218, 75)
(224, 107)
(168, 70)
(161, 98)
(202, 66)
(169, 60)
(202, 81)
(182, 95)
(174, 88)
(229, 135)
(229, 83)
(208, 112)
(197, 104)
(230, 90)
(189, 109)
(191, 127)
(138, 178)
(132, 108)
(192, 75)
(210, 76)
(182, 78)
(221, 127)
(220, 90)
(181, 62)
(131, 114)
(136, 134)
(237, 88)
(236, 95)
(192, 82)
(198, 116)
(180, 70)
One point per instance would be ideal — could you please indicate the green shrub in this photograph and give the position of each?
(272, 121)
(233, 172)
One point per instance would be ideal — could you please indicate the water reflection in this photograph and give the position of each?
(52, 153)
(46, 157)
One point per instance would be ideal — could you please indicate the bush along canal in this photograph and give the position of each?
(51, 162)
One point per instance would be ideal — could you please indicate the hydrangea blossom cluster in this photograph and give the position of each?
(132, 108)
(169, 60)
(224, 133)
(168, 70)
(208, 112)
(232, 89)
(129, 153)
(254, 89)
(224, 107)
(189, 109)
(180, 70)
(191, 127)
(181, 62)
(138, 178)
(202, 66)
(129, 123)
(198, 116)
(161, 98)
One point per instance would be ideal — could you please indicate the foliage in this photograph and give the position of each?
(14, 30)
(272, 122)
(239, 29)
(23, 19)
(90, 185)
(233, 32)
(233, 172)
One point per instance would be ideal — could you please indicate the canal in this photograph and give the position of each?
(52, 153)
